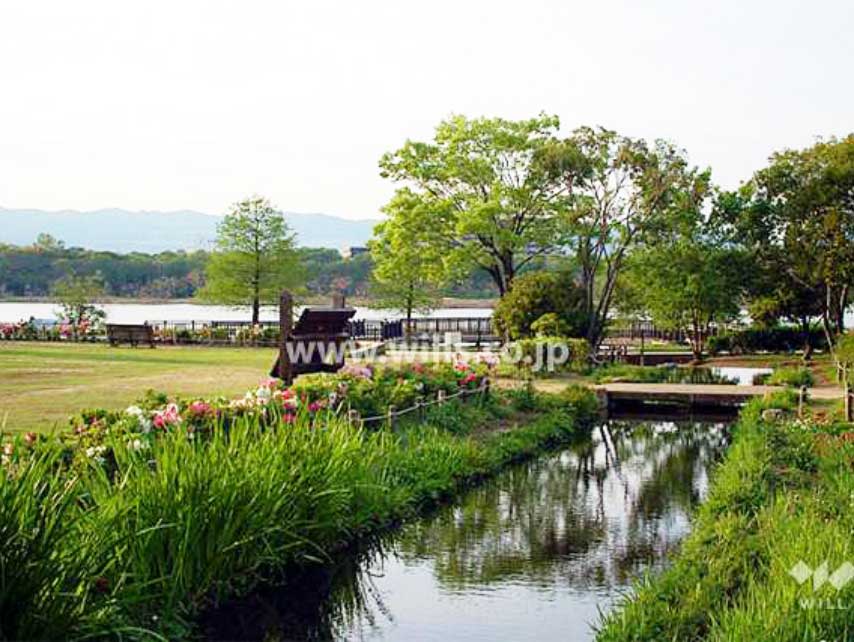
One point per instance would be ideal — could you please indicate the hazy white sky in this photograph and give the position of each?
(180, 104)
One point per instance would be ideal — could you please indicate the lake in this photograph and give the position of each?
(140, 312)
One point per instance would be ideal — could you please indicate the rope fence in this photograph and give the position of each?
(393, 413)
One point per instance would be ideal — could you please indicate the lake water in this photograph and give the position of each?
(741, 376)
(140, 312)
(533, 554)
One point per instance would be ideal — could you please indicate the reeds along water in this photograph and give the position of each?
(139, 542)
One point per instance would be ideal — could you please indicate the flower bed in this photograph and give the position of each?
(370, 391)
(161, 509)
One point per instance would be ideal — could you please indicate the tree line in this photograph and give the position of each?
(628, 228)
(42, 269)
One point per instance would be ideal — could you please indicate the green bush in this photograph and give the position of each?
(774, 339)
(550, 325)
(793, 377)
(535, 294)
(632, 374)
(536, 354)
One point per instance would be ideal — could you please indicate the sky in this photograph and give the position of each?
(194, 104)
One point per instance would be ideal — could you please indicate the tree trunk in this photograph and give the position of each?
(697, 341)
(256, 310)
(805, 330)
(409, 300)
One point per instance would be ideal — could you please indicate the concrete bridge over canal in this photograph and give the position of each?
(695, 394)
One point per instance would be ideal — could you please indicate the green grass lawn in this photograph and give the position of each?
(42, 384)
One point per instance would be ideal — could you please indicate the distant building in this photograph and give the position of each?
(350, 252)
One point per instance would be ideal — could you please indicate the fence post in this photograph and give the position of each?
(390, 417)
(802, 398)
(849, 406)
(486, 385)
(419, 404)
(440, 397)
(352, 417)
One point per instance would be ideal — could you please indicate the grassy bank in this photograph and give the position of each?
(784, 495)
(131, 537)
(41, 384)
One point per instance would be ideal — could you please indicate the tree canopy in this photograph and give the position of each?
(408, 267)
(255, 257)
(796, 217)
(490, 191)
(628, 193)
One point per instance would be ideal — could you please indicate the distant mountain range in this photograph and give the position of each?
(119, 230)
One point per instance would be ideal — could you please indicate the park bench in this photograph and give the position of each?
(134, 334)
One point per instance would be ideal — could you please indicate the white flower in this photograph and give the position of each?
(96, 452)
(135, 411)
(143, 421)
(137, 444)
(263, 393)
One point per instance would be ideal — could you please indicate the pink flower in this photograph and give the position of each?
(200, 409)
(469, 378)
(167, 417)
(461, 366)
(360, 372)
(272, 383)
(288, 418)
(314, 406)
(172, 413)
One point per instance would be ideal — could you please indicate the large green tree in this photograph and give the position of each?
(622, 193)
(796, 217)
(490, 190)
(406, 249)
(255, 257)
(689, 284)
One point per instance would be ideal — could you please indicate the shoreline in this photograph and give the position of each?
(366, 302)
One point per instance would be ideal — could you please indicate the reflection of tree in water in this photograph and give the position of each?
(591, 516)
(319, 602)
(587, 518)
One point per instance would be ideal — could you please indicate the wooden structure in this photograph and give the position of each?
(710, 395)
(315, 343)
(134, 334)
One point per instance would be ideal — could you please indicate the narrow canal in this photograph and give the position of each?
(535, 553)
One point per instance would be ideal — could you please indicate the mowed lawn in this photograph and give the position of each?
(42, 384)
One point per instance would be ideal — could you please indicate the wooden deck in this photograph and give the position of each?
(694, 394)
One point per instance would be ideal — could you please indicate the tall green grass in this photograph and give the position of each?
(51, 553)
(779, 498)
(136, 545)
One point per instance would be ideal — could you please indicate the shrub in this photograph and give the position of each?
(551, 354)
(536, 294)
(581, 401)
(755, 339)
(793, 377)
(550, 325)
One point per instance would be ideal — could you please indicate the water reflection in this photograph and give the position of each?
(531, 554)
